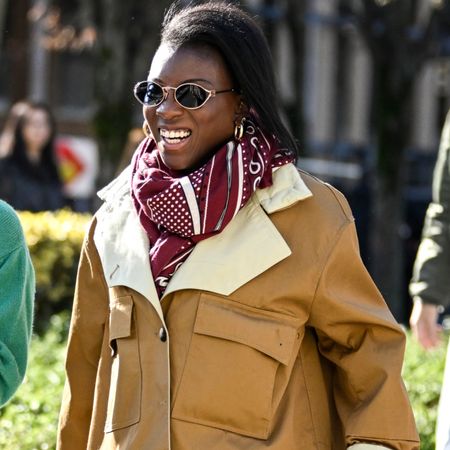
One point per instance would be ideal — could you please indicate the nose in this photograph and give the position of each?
(169, 108)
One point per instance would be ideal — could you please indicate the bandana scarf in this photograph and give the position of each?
(179, 211)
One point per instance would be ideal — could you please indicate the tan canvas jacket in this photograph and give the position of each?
(271, 335)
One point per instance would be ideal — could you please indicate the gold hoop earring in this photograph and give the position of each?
(146, 129)
(239, 129)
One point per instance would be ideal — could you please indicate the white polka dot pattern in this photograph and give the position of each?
(179, 211)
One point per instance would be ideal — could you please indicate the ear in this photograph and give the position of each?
(241, 109)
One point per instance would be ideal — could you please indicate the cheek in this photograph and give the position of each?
(219, 119)
(44, 133)
(150, 118)
(37, 132)
(221, 128)
(30, 135)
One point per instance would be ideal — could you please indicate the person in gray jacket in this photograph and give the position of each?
(430, 283)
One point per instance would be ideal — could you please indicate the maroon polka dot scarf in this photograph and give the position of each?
(179, 211)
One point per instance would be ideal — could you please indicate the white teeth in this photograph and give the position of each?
(174, 134)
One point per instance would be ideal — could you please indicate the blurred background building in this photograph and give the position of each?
(351, 73)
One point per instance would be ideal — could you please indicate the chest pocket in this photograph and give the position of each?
(237, 368)
(124, 399)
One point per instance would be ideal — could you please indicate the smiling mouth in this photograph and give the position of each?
(174, 136)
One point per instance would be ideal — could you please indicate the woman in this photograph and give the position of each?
(221, 302)
(29, 178)
(17, 286)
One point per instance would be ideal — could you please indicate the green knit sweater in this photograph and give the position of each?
(17, 288)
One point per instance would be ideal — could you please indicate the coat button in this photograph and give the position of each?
(162, 335)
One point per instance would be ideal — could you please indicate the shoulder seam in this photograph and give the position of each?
(345, 210)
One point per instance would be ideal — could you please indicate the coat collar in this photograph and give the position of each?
(249, 245)
(121, 241)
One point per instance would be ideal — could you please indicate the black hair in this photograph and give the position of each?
(47, 167)
(242, 44)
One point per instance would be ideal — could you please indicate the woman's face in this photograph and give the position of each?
(36, 129)
(207, 127)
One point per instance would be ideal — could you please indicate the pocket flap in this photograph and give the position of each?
(270, 333)
(120, 316)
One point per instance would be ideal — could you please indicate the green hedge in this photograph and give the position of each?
(422, 372)
(54, 240)
(29, 421)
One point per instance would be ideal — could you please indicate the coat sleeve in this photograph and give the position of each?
(357, 334)
(17, 289)
(430, 281)
(89, 315)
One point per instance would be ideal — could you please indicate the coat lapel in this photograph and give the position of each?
(249, 245)
(122, 242)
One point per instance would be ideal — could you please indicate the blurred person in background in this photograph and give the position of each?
(29, 178)
(17, 288)
(221, 301)
(430, 283)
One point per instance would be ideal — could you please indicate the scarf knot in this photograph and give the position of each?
(177, 212)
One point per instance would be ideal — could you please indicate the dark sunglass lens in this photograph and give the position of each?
(191, 96)
(149, 93)
(154, 94)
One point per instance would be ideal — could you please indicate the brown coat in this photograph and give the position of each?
(271, 335)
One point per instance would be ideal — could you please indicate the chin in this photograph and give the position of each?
(175, 164)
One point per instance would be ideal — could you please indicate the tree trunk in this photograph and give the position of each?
(16, 48)
(295, 22)
(390, 115)
(387, 262)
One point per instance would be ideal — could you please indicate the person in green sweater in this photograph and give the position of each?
(17, 289)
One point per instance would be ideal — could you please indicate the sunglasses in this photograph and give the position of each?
(187, 95)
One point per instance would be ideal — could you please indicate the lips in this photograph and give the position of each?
(174, 136)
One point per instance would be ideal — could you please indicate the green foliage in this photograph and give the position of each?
(29, 420)
(422, 372)
(54, 240)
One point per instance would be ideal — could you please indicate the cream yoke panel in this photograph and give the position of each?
(123, 245)
(249, 244)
